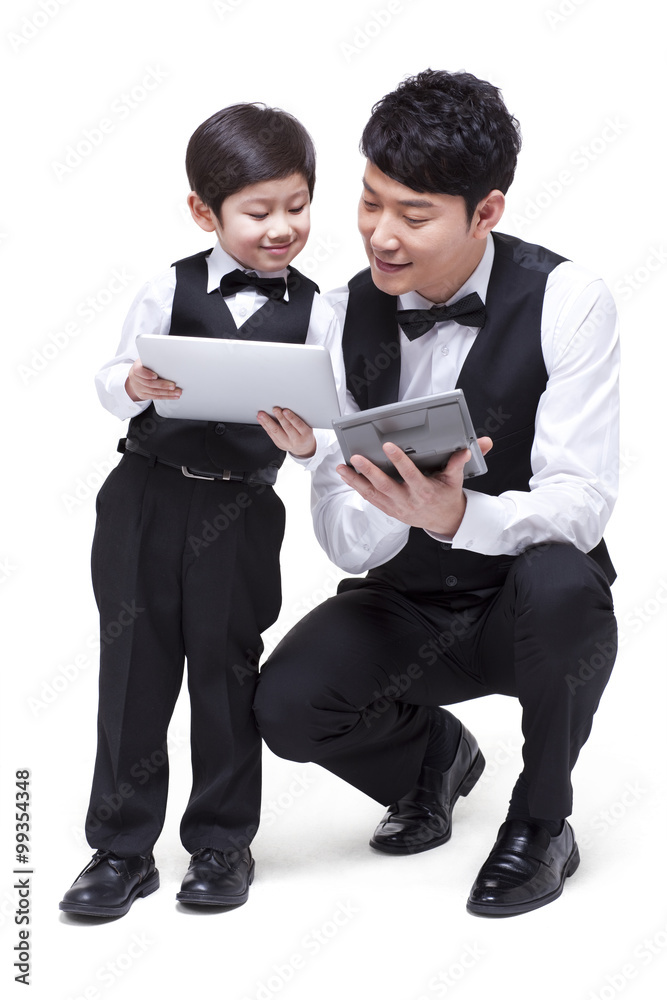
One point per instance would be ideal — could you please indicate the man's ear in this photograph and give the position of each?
(201, 213)
(488, 214)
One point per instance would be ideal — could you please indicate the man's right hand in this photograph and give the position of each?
(142, 383)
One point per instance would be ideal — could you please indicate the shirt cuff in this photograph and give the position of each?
(325, 442)
(482, 525)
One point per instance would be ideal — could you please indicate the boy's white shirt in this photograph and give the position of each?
(151, 313)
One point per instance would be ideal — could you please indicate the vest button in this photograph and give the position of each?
(451, 581)
(220, 428)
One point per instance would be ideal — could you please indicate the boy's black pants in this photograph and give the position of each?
(182, 569)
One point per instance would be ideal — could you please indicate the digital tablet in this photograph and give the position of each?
(232, 379)
(429, 429)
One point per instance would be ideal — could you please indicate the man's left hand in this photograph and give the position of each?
(436, 503)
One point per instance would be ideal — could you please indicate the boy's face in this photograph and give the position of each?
(421, 242)
(263, 226)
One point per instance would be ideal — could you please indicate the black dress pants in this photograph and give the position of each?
(349, 686)
(183, 569)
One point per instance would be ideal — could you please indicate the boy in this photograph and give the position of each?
(177, 587)
(498, 588)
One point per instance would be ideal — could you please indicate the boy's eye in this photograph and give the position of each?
(295, 211)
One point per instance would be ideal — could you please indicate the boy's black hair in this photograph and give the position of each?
(444, 133)
(245, 144)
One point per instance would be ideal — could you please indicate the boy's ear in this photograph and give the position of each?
(201, 213)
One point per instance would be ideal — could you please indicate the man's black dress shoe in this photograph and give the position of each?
(526, 868)
(109, 885)
(217, 879)
(422, 819)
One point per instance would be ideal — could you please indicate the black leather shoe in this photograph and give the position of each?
(217, 879)
(109, 885)
(526, 868)
(422, 819)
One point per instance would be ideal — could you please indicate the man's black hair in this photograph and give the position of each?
(246, 144)
(444, 133)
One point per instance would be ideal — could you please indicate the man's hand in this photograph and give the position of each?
(436, 503)
(142, 383)
(289, 432)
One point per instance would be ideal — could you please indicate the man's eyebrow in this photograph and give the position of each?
(409, 202)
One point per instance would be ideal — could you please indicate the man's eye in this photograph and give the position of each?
(369, 204)
(258, 215)
(414, 221)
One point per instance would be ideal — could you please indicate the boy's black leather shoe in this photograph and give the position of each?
(215, 878)
(109, 885)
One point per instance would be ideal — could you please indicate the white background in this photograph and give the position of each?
(586, 80)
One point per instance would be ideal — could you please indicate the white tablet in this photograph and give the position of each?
(232, 379)
(429, 429)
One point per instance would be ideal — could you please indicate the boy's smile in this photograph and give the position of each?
(263, 226)
(421, 241)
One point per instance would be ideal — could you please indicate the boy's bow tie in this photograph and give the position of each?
(469, 311)
(235, 281)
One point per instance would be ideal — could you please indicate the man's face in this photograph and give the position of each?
(264, 226)
(415, 241)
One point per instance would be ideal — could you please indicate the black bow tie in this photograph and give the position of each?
(235, 281)
(469, 311)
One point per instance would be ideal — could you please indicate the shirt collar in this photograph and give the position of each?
(477, 282)
(221, 263)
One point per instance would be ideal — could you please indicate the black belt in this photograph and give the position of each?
(265, 476)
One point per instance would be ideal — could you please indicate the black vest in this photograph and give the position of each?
(209, 446)
(502, 378)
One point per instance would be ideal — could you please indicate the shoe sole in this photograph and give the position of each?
(514, 909)
(468, 782)
(202, 899)
(91, 910)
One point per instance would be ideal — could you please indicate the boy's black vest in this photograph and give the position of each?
(212, 447)
(503, 378)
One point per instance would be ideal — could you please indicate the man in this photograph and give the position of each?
(501, 587)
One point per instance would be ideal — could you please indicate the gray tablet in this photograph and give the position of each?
(429, 429)
(232, 379)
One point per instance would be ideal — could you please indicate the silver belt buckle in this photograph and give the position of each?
(191, 475)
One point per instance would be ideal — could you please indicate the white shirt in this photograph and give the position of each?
(574, 456)
(151, 313)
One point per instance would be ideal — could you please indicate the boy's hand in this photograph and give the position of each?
(289, 432)
(142, 383)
